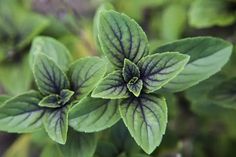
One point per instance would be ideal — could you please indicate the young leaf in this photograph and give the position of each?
(51, 101)
(94, 114)
(111, 87)
(66, 95)
(85, 73)
(121, 37)
(79, 145)
(51, 48)
(130, 70)
(49, 78)
(225, 94)
(158, 69)
(207, 56)
(56, 124)
(145, 118)
(22, 113)
(135, 86)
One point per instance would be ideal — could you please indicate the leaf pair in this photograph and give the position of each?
(60, 86)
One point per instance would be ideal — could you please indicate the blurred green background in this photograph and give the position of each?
(198, 126)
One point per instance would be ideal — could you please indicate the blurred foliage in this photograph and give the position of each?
(199, 126)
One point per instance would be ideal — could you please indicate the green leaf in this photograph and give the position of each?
(217, 13)
(207, 56)
(158, 69)
(130, 70)
(52, 49)
(56, 124)
(52, 101)
(50, 150)
(3, 98)
(146, 119)
(135, 86)
(111, 87)
(121, 37)
(224, 94)
(94, 114)
(49, 78)
(85, 73)
(21, 113)
(66, 95)
(79, 145)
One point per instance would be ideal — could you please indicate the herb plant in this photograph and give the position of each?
(92, 94)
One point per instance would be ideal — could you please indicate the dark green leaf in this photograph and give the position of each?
(85, 73)
(94, 114)
(146, 119)
(56, 124)
(66, 95)
(121, 37)
(225, 94)
(111, 87)
(79, 145)
(207, 56)
(52, 49)
(158, 69)
(130, 70)
(135, 86)
(49, 78)
(22, 113)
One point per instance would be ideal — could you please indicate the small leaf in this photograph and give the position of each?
(52, 101)
(66, 95)
(135, 87)
(52, 49)
(225, 94)
(79, 145)
(146, 119)
(94, 114)
(49, 78)
(158, 69)
(207, 56)
(56, 124)
(85, 73)
(121, 37)
(111, 87)
(22, 113)
(130, 70)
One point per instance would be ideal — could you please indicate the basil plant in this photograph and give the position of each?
(93, 93)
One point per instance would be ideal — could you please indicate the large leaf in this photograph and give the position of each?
(79, 145)
(121, 37)
(85, 73)
(130, 70)
(49, 78)
(207, 56)
(225, 94)
(112, 86)
(146, 119)
(56, 124)
(22, 113)
(217, 13)
(158, 69)
(3, 98)
(94, 114)
(53, 49)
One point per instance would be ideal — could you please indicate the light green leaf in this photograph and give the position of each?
(130, 70)
(51, 150)
(135, 86)
(207, 56)
(158, 69)
(224, 94)
(52, 101)
(52, 49)
(146, 119)
(79, 145)
(121, 37)
(85, 73)
(217, 13)
(21, 113)
(49, 78)
(94, 114)
(111, 87)
(56, 124)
